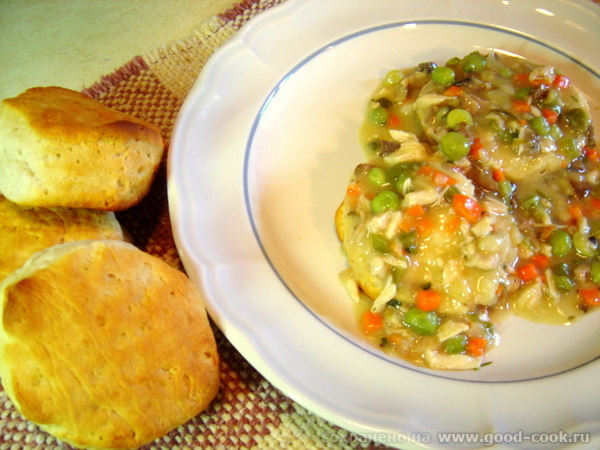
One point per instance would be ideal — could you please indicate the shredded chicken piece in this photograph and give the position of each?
(494, 206)
(392, 226)
(484, 227)
(441, 361)
(411, 149)
(529, 295)
(422, 197)
(450, 328)
(377, 267)
(349, 282)
(379, 222)
(387, 293)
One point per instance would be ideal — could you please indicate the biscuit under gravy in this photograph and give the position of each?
(59, 147)
(105, 346)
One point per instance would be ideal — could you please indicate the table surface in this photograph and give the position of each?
(73, 43)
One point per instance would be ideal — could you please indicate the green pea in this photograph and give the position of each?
(399, 173)
(379, 115)
(570, 148)
(523, 92)
(401, 169)
(584, 244)
(506, 189)
(380, 243)
(385, 201)
(474, 62)
(555, 132)
(454, 146)
(531, 203)
(561, 274)
(563, 282)
(540, 125)
(456, 344)
(562, 269)
(552, 98)
(394, 171)
(595, 272)
(376, 176)
(577, 119)
(422, 322)
(454, 61)
(394, 76)
(458, 116)
(409, 241)
(401, 185)
(443, 75)
(561, 243)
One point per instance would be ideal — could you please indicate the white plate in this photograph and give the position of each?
(261, 154)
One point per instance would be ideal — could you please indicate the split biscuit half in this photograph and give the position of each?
(26, 230)
(105, 346)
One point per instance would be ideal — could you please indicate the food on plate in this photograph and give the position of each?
(26, 230)
(503, 112)
(105, 346)
(60, 148)
(480, 194)
(431, 255)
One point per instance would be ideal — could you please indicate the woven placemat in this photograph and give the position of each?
(248, 412)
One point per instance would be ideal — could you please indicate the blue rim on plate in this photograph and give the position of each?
(277, 89)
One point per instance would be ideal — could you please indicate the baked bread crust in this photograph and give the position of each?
(26, 230)
(59, 147)
(105, 346)
(346, 223)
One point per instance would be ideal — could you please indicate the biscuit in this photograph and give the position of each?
(61, 148)
(25, 230)
(346, 223)
(105, 346)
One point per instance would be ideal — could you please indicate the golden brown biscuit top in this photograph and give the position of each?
(25, 231)
(106, 346)
(52, 110)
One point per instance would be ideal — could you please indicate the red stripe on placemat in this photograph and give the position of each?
(241, 12)
(134, 67)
